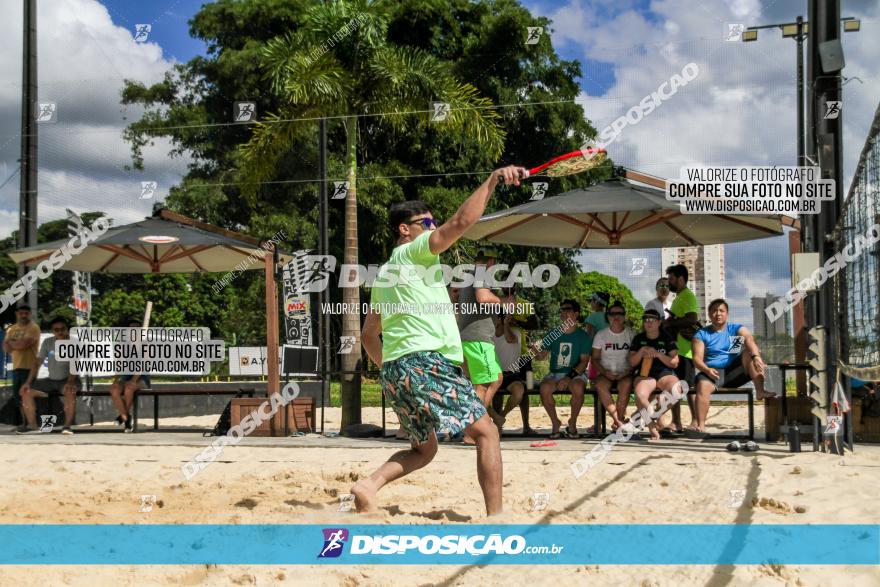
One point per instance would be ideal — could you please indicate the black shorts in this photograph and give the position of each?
(685, 370)
(734, 375)
(657, 376)
(512, 377)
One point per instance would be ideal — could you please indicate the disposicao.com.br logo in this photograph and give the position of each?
(334, 541)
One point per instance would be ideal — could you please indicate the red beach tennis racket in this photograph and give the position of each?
(571, 163)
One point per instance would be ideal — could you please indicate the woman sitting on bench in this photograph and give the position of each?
(654, 356)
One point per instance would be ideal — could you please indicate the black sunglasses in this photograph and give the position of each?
(663, 286)
(617, 313)
(425, 222)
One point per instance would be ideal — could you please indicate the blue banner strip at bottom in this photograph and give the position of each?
(563, 544)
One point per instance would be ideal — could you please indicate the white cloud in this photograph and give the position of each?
(740, 110)
(83, 59)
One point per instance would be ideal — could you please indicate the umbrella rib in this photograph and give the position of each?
(651, 220)
(107, 264)
(687, 239)
(579, 223)
(749, 224)
(511, 227)
(189, 253)
(171, 250)
(602, 224)
(196, 263)
(127, 252)
(584, 238)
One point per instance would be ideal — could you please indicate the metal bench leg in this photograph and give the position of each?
(751, 417)
(155, 412)
(134, 415)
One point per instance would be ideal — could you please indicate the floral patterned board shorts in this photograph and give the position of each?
(429, 392)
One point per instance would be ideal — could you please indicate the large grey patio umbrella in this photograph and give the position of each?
(165, 243)
(618, 214)
(169, 242)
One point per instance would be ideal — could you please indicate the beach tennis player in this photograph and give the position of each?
(420, 353)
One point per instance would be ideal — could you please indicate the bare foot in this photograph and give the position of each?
(364, 496)
(468, 441)
(764, 394)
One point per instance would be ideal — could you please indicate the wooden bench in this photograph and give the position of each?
(599, 424)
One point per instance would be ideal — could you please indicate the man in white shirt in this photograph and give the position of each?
(662, 302)
(611, 358)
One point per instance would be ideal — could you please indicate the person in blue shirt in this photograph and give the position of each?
(725, 355)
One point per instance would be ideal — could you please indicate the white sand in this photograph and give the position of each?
(74, 480)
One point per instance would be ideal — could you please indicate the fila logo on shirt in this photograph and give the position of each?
(609, 346)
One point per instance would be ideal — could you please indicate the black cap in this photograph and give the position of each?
(601, 297)
(651, 313)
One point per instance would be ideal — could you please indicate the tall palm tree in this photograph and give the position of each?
(339, 64)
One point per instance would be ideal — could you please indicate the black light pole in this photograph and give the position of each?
(27, 222)
(826, 62)
(324, 249)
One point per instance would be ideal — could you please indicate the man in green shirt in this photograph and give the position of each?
(419, 352)
(569, 351)
(682, 322)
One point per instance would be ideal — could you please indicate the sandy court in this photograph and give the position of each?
(83, 479)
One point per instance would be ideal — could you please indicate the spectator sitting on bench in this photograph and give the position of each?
(60, 382)
(124, 387)
(611, 359)
(508, 341)
(569, 355)
(654, 356)
(720, 360)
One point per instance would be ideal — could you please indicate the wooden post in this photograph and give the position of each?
(276, 425)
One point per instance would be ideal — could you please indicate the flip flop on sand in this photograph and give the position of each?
(751, 446)
(566, 433)
(543, 443)
(734, 446)
(554, 435)
(695, 434)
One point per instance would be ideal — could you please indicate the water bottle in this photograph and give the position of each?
(794, 438)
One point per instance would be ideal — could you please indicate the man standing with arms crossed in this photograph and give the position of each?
(682, 321)
(419, 354)
(477, 331)
(22, 341)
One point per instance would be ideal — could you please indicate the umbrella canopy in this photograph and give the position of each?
(618, 214)
(164, 243)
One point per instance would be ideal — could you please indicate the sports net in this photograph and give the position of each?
(861, 279)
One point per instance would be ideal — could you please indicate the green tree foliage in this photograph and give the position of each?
(582, 286)
(401, 56)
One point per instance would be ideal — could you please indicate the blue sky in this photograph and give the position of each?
(169, 20)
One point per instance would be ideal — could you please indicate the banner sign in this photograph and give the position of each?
(297, 305)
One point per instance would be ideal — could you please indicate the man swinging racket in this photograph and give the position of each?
(420, 352)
